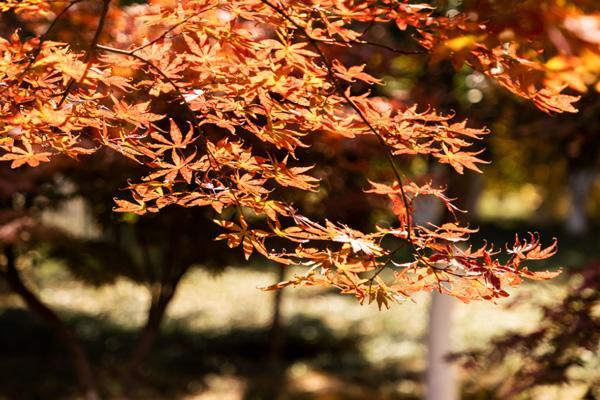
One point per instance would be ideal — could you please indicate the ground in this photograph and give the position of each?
(214, 344)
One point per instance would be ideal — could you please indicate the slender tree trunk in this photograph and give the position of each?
(269, 382)
(440, 377)
(63, 332)
(149, 333)
(276, 339)
(277, 375)
(580, 183)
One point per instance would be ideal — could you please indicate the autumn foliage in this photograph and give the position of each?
(256, 83)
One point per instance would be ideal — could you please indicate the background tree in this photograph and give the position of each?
(117, 247)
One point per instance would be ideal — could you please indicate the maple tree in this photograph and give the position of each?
(256, 83)
(229, 106)
(109, 247)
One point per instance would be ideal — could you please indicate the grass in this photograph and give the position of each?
(214, 344)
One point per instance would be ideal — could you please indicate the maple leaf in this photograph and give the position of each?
(293, 176)
(247, 183)
(539, 275)
(178, 141)
(136, 114)
(449, 231)
(353, 73)
(138, 207)
(181, 165)
(552, 101)
(293, 53)
(358, 244)
(283, 73)
(461, 160)
(20, 156)
(250, 239)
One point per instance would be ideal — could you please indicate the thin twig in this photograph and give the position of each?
(373, 44)
(38, 50)
(89, 53)
(315, 44)
(171, 29)
(164, 34)
(195, 121)
(384, 265)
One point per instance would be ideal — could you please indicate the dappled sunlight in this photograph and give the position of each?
(212, 305)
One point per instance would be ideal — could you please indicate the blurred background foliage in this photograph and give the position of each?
(163, 312)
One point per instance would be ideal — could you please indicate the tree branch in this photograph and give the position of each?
(315, 44)
(195, 121)
(36, 53)
(89, 53)
(64, 333)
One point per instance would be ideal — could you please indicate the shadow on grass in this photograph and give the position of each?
(35, 365)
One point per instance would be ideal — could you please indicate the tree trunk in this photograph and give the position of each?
(63, 332)
(580, 182)
(441, 375)
(148, 334)
(269, 382)
(276, 338)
